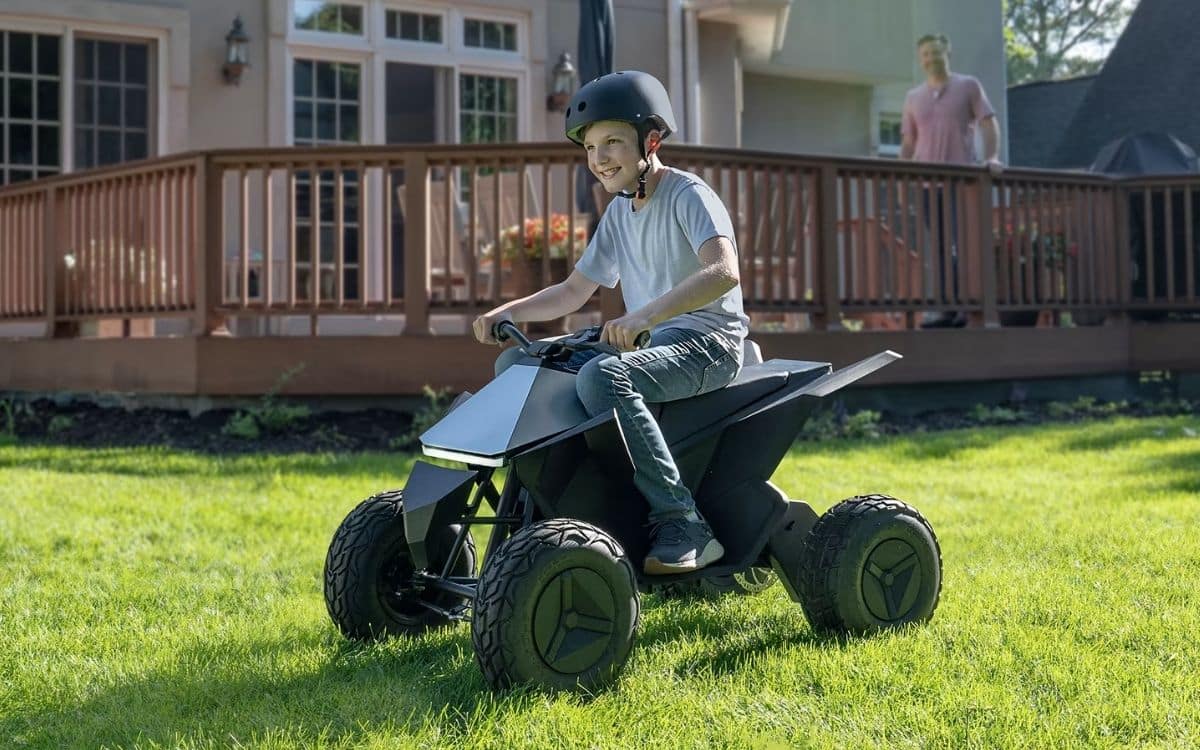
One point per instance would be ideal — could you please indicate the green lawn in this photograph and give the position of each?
(161, 599)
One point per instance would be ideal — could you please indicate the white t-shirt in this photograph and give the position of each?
(652, 250)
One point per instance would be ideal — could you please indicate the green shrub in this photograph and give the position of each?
(269, 414)
(59, 424)
(863, 424)
(243, 425)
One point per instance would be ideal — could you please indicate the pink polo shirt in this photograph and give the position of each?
(942, 121)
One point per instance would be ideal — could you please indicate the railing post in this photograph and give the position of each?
(49, 259)
(416, 244)
(987, 251)
(210, 231)
(827, 204)
(1120, 215)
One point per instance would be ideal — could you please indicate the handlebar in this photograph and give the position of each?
(586, 339)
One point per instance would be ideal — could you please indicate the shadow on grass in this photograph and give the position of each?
(429, 683)
(1172, 472)
(738, 635)
(211, 695)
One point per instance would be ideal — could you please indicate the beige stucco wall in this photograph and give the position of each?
(863, 41)
(798, 116)
(721, 100)
(224, 115)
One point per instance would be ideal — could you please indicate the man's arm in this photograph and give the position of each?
(718, 274)
(550, 303)
(989, 129)
(908, 131)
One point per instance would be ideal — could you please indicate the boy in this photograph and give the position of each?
(671, 246)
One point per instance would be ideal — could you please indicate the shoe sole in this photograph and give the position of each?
(712, 552)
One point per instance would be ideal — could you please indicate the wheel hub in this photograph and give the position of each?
(891, 580)
(573, 620)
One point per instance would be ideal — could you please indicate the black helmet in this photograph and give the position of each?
(627, 96)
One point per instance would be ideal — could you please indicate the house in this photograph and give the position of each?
(94, 82)
(1143, 86)
(364, 173)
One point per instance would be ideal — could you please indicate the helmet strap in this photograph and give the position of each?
(641, 181)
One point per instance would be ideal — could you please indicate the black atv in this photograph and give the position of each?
(556, 602)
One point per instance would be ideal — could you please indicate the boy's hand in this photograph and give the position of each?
(486, 323)
(622, 332)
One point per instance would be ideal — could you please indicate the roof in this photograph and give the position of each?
(1147, 84)
(1035, 113)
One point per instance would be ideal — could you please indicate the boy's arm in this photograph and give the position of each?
(550, 303)
(718, 274)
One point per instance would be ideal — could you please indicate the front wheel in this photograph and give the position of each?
(557, 606)
(369, 587)
(870, 563)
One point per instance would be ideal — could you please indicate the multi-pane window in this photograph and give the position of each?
(338, 18)
(30, 129)
(487, 109)
(112, 102)
(327, 98)
(889, 134)
(497, 35)
(414, 27)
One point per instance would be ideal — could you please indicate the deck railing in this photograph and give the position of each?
(420, 230)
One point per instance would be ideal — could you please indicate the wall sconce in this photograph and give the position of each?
(236, 58)
(564, 84)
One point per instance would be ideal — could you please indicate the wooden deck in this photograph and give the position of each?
(164, 253)
(402, 365)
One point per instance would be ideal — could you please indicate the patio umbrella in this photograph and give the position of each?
(595, 59)
(1146, 153)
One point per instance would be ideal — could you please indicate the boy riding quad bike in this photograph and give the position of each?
(658, 410)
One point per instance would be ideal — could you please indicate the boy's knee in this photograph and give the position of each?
(596, 380)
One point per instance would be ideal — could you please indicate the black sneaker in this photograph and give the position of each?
(680, 545)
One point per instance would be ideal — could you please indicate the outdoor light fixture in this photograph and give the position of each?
(563, 86)
(236, 60)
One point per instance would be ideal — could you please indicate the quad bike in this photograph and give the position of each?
(556, 602)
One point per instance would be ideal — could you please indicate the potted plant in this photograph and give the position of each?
(523, 246)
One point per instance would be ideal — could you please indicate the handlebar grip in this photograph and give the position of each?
(506, 329)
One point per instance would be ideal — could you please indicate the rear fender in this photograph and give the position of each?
(786, 546)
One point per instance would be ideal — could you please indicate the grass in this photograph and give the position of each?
(162, 599)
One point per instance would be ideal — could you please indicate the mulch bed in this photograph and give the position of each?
(85, 424)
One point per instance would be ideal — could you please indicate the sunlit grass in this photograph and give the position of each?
(162, 599)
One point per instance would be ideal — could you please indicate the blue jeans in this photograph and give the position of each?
(679, 363)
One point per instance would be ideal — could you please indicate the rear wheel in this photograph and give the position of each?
(870, 563)
(369, 588)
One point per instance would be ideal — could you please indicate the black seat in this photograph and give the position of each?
(678, 419)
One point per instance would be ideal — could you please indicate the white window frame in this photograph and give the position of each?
(68, 31)
(414, 46)
(311, 35)
(374, 50)
(890, 150)
(491, 72)
(366, 104)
